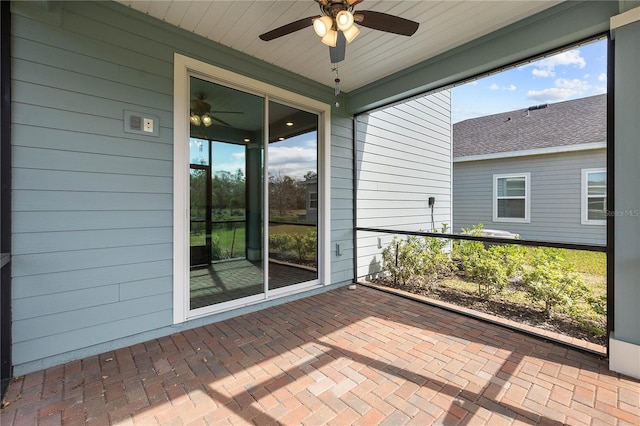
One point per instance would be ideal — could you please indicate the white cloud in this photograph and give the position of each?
(510, 87)
(574, 84)
(602, 77)
(570, 57)
(537, 72)
(291, 161)
(564, 89)
(546, 67)
(600, 90)
(553, 94)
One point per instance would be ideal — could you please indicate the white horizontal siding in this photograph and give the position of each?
(404, 157)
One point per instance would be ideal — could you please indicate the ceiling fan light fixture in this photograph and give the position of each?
(344, 20)
(206, 120)
(322, 25)
(351, 33)
(331, 38)
(194, 119)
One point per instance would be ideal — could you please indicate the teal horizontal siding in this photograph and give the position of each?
(92, 204)
(29, 286)
(55, 221)
(37, 200)
(31, 158)
(341, 197)
(51, 242)
(44, 306)
(45, 263)
(52, 322)
(70, 140)
(82, 338)
(55, 180)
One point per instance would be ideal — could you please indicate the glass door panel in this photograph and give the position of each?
(293, 196)
(200, 215)
(226, 194)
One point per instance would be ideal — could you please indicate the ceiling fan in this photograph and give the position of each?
(335, 25)
(201, 112)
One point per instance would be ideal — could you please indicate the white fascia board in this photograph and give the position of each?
(625, 18)
(528, 152)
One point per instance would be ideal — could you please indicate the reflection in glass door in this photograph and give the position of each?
(227, 196)
(293, 196)
(226, 156)
(200, 214)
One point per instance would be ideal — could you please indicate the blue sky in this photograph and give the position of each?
(572, 74)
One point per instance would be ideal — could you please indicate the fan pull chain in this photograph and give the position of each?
(337, 81)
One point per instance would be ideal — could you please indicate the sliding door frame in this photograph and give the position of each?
(184, 68)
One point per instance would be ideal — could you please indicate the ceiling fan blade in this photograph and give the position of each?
(220, 121)
(349, 2)
(288, 29)
(385, 22)
(336, 54)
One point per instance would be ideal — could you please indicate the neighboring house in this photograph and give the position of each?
(96, 173)
(311, 200)
(538, 172)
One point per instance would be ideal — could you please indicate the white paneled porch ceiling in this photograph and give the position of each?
(444, 24)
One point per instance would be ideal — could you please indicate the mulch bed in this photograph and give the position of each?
(524, 314)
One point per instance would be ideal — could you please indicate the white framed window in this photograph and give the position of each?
(313, 200)
(594, 197)
(511, 197)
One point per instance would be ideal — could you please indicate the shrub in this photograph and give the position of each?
(435, 258)
(488, 271)
(402, 258)
(464, 250)
(424, 258)
(304, 245)
(490, 267)
(216, 250)
(297, 246)
(278, 242)
(598, 304)
(552, 281)
(513, 258)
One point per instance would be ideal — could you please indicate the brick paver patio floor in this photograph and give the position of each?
(344, 357)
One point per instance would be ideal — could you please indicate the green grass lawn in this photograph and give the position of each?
(588, 262)
(289, 229)
(227, 238)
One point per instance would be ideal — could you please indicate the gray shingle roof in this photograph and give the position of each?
(559, 124)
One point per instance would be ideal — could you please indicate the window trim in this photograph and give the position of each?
(313, 198)
(184, 67)
(584, 198)
(527, 197)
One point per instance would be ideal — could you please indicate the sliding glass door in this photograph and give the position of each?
(293, 196)
(253, 196)
(226, 195)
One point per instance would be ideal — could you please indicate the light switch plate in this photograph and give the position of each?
(141, 123)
